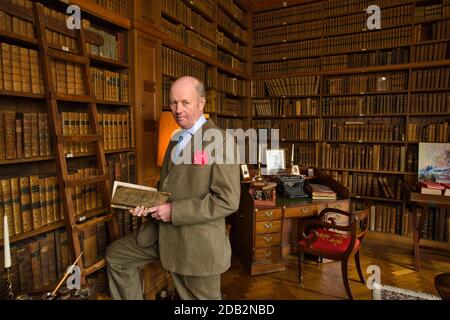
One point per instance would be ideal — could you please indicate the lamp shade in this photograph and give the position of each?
(166, 129)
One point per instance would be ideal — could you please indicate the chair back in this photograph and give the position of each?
(362, 218)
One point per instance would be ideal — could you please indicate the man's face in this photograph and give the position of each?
(185, 103)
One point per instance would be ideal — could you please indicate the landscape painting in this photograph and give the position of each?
(434, 162)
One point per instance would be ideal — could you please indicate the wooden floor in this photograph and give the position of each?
(393, 254)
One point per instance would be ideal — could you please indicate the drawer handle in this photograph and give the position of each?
(268, 253)
(305, 210)
(269, 213)
(268, 225)
(268, 239)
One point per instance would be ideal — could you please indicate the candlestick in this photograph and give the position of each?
(6, 248)
(9, 287)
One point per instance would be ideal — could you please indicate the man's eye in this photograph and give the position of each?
(186, 103)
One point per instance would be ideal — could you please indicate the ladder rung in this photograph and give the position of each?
(84, 181)
(75, 98)
(62, 55)
(95, 267)
(91, 222)
(90, 214)
(80, 138)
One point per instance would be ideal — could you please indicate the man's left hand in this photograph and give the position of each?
(162, 212)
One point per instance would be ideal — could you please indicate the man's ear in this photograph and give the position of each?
(202, 102)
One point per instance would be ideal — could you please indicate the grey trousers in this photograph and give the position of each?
(125, 259)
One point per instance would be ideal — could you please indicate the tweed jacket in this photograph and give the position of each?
(195, 243)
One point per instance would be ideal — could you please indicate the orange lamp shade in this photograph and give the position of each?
(166, 129)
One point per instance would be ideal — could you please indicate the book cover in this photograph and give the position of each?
(128, 196)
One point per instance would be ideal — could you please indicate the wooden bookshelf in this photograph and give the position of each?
(406, 48)
(42, 135)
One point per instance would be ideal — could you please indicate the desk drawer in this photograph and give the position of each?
(300, 212)
(268, 226)
(341, 205)
(267, 254)
(267, 214)
(267, 240)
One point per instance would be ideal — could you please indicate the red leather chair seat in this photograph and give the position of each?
(330, 242)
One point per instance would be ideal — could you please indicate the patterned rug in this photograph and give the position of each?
(384, 292)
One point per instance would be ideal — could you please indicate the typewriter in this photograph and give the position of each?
(291, 187)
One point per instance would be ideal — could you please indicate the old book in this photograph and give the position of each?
(128, 196)
(25, 268)
(2, 136)
(36, 269)
(65, 256)
(7, 67)
(34, 135)
(19, 145)
(10, 134)
(42, 133)
(35, 205)
(89, 245)
(27, 134)
(15, 197)
(51, 257)
(25, 204)
(45, 257)
(42, 202)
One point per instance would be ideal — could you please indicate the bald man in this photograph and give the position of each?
(188, 233)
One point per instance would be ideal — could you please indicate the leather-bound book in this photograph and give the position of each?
(25, 204)
(51, 257)
(15, 197)
(36, 264)
(43, 246)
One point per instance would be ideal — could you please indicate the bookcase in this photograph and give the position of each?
(66, 133)
(209, 40)
(356, 102)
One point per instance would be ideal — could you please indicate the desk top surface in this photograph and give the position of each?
(284, 202)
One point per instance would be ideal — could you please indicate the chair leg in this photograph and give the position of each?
(358, 267)
(344, 269)
(300, 267)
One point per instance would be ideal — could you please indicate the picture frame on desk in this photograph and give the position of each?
(245, 173)
(275, 161)
(295, 170)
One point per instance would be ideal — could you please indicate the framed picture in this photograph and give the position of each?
(244, 172)
(434, 162)
(310, 172)
(295, 170)
(275, 161)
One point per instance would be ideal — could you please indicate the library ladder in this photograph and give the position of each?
(67, 186)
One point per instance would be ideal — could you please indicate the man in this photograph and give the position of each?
(192, 243)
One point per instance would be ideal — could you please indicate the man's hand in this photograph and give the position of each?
(162, 212)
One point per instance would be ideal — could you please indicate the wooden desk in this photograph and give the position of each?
(261, 235)
(424, 201)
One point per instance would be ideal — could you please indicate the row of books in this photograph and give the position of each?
(233, 86)
(353, 105)
(86, 197)
(233, 9)
(430, 103)
(231, 45)
(289, 15)
(67, 77)
(38, 261)
(291, 50)
(429, 52)
(289, 32)
(232, 27)
(220, 103)
(366, 59)
(62, 41)
(429, 132)
(109, 85)
(230, 60)
(232, 123)
(286, 107)
(426, 12)
(19, 70)
(182, 12)
(113, 127)
(368, 184)
(15, 24)
(166, 84)
(29, 202)
(24, 135)
(309, 129)
(176, 64)
(308, 85)
(340, 8)
(436, 78)
(118, 6)
(438, 30)
(396, 16)
(364, 130)
(113, 46)
(304, 154)
(374, 82)
(286, 67)
(365, 157)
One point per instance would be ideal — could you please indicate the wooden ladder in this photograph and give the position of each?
(67, 186)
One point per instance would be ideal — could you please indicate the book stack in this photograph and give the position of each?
(320, 192)
(431, 187)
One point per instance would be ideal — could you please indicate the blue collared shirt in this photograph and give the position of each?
(186, 134)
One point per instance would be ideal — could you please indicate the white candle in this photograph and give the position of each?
(292, 155)
(259, 154)
(7, 252)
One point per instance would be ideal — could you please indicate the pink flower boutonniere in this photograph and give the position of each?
(200, 157)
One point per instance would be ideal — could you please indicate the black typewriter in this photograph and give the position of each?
(291, 187)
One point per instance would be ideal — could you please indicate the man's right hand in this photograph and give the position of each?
(140, 211)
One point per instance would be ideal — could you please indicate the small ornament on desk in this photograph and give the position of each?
(245, 173)
(295, 170)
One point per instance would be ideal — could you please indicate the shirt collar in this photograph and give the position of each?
(197, 125)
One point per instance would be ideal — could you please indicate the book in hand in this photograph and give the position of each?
(129, 196)
(320, 192)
